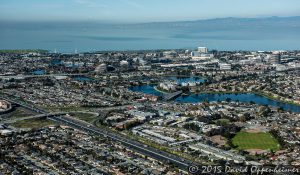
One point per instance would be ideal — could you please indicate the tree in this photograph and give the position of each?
(280, 109)
(228, 99)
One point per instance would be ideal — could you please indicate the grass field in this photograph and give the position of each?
(19, 112)
(33, 123)
(84, 116)
(222, 122)
(264, 141)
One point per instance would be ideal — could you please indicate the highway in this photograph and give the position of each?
(39, 116)
(136, 146)
(25, 105)
(89, 128)
(35, 76)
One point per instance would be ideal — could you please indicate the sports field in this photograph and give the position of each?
(261, 140)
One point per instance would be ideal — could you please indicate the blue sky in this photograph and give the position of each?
(131, 11)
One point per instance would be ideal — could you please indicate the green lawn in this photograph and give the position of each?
(222, 122)
(264, 141)
(20, 112)
(84, 116)
(66, 108)
(33, 123)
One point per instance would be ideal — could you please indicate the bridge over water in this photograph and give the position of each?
(171, 96)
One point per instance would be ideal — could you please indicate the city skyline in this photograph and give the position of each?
(136, 11)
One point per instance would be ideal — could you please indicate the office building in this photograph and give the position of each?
(202, 49)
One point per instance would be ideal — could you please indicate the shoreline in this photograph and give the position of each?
(155, 88)
(251, 92)
(238, 92)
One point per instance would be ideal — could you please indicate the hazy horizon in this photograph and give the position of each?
(88, 25)
(140, 11)
(133, 23)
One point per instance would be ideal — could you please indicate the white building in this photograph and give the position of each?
(280, 67)
(170, 54)
(168, 86)
(4, 105)
(225, 66)
(124, 63)
(190, 84)
(101, 68)
(198, 56)
(294, 65)
(144, 68)
(5, 132)
(140, 115)
(218, 153)
(202, 49)
(274, 59)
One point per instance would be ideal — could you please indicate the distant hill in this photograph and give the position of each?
(229, 22)
(229, 28)
(24, 51)
(223, 33)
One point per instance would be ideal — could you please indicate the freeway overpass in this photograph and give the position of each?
(40, 116)
(25, 105)
(159, 155)
(134, 145)
(21, 76)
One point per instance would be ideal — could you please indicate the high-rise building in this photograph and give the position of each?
(274, 59)
(202, 49)
(201, 55)
(195, 54)
(225, 66)
(170, 54)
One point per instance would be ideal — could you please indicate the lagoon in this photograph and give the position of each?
(242, 97)
(39, 72)
(82, 78)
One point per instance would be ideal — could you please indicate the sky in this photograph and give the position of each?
(133, 11)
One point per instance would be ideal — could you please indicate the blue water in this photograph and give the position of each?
(147, 89)
(71, 65)
(55, 62)
(244, 97)
(39, 72)
(88, 36)
(82, 78)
